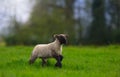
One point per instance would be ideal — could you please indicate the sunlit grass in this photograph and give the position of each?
(88, 61)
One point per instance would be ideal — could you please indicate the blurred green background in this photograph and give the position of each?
(85, 21)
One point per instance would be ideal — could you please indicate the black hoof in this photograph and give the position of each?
(30, 62)
(58, 65)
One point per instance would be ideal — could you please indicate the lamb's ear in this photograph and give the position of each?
(55, 35)
(67, 35)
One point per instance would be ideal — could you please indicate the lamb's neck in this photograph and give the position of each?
(56, 44)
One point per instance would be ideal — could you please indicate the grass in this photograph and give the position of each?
(88, 61)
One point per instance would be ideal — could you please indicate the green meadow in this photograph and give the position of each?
(80, 61)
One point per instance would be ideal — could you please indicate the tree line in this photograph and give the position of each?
(51, 17)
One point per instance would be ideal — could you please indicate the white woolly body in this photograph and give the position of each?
(47, 50)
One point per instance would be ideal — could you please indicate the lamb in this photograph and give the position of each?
(50, 50)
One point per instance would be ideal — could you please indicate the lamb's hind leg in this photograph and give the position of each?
(32, 59)
(44, 61)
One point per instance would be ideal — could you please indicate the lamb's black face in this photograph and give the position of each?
(62, 38)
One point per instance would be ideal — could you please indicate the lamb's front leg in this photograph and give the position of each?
(58, 64)
(61, 57)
